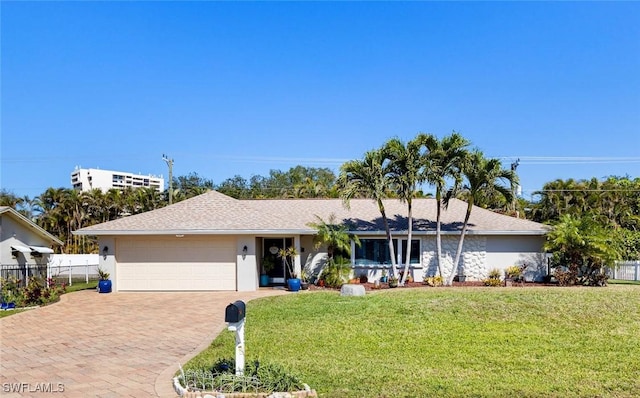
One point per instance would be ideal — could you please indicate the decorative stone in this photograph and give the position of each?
(352, 290)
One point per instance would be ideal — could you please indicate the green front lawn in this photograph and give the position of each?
(81, 286)
(450, 342)
(622, 282)
(5, 313)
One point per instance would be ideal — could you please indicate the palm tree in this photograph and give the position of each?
(443, 161)
(584, 247)
(9, 199)
(52, 218)
(483, 176)
(406, 174)
(369, 178)
(335, 236)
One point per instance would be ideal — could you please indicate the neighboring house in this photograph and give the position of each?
(215, 242)
(88, 179)
(25, 248)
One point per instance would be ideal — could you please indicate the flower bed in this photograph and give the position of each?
(258, 380)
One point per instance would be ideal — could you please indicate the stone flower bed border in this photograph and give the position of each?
(182, 392)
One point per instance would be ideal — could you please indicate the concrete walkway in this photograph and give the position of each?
(109, 345)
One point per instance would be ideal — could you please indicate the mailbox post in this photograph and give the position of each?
(234, 316)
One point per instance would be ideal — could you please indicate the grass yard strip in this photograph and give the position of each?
(77, 286)
(450, 342)
(622, 282)
(5, 313)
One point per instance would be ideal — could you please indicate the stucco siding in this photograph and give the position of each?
(505, 251)
(16, 233)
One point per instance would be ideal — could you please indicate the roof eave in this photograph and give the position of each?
(194, 232)
(455, 233)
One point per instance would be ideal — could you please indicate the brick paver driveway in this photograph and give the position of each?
(109, 345)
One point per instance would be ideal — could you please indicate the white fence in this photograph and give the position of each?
(73, 266)
(626, 270)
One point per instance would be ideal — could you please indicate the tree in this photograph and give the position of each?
(584, 248)
(484, 177)
(190, 185)
(369, 178)
(9, 199)
(406, 165)
(614, 201)
(335, 236)
(443, 161)
(236, 187)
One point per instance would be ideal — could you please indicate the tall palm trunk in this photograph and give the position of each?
(438, 234)
(389, 237)
(409, 236)
(456, 261)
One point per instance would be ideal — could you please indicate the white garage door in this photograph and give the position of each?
(176, 264)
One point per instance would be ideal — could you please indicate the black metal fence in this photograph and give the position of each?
(23, 272)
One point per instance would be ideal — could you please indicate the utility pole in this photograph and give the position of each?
(514, 166)
(170, 164)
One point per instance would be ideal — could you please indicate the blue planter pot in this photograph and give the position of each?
(264, 280)
(104, 286)
(293, 284)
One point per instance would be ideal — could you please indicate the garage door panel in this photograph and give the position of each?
(176, 265)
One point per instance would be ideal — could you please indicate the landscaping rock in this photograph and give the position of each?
(352, 290)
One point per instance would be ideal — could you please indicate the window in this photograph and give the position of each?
(415, 251)
(372, 252)
(376, 252)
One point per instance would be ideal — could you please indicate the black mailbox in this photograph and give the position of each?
(234, 312)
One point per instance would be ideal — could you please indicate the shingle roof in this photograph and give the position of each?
(215, 213)
(211, 212)
(363, 215)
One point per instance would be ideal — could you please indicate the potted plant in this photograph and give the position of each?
(384, 278)
(267, 266)
(512, 274)
(304, 280)
(104, 284)
(393, 281)
(293, 283)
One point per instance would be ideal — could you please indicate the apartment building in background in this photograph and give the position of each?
(88, 179)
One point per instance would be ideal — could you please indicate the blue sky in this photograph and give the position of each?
(228, 88)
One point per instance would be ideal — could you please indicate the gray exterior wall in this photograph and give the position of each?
(16, 233)
(481, 254)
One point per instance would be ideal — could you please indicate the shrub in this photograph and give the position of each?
(11, 290)
(257, 378)
(336, 272)
(513, 272)
(495, 274)
(494, 278)
(566, 277)
(492, 282)
(35, 293)
(434, 281)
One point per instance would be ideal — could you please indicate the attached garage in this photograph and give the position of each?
(175, 264)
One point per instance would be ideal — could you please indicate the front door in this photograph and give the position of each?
(271, 247)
